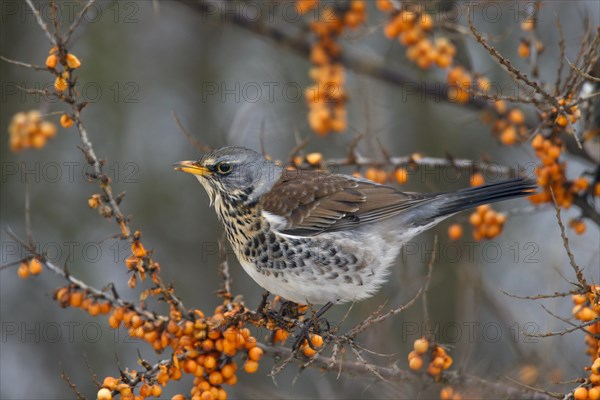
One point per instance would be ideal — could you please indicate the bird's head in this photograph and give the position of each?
(233, 175)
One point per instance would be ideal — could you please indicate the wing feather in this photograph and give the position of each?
(313, 202)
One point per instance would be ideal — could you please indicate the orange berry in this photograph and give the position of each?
(210, 363)
(561, 121)
(447, 362)
(426, 22)
(156, 390)
(66, 121)
(516, 116)
(60, 84)
(523, 49)
(215, 378)
(308, 352)
(76, 299)
(593, 393)
(72, 61)
(384, 5)
(455, 231)
(314, 158)
(47, 129)
(421, 345)
(579, 227)
(207, 395)
(477, 179)
(251, 366)
(443, 60)
(227, 371)
(508, 137)
(316, 340)
(110, 383)
(401, 175)
(23, 270)
(35, 266)
(51, 61)
(433, 370)
(475, 219)
(580, 393)
(280, 336)
(415, 363)
(255, 353)
(528, 24)
(104, 394)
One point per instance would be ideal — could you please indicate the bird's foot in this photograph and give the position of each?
(315, 324)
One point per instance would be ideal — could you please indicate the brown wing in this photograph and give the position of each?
(312, 202)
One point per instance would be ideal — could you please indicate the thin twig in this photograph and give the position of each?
(41, 22)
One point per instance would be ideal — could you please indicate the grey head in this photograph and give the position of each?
(232, 174)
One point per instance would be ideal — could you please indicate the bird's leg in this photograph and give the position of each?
(263, 304)
(312, 323)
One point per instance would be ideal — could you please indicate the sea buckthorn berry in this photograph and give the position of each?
(524, 49)
(35, 266)
(51, 61)
(72, 61)
(250, 366)
(66, 121)
(421, 345)
(415, 363)
(60, 84)
(593, 393)
(580, 393)
(401, 175)
(314, 158)
(477, 179)
(215, 378)
(94, 202)
(455, 231)
(280, 336)
(110, 383)
(384, 5)
(256, 353)
(316, 340)
(561, 121)
(308, 351)
(23, 270)
(104, 394)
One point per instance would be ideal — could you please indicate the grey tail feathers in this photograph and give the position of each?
(450, 203)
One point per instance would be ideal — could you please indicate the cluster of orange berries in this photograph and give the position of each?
(326, 98)
(317, 343)
(31, 267)
(510, 126)
(29, 130)
(586, 309)
(110, 385)
(461, 83)
(69, 63)
(448, 393)
(200, 349)
(569, 116)
(72, 296)
(592, 391)
(379, 175)
(486, 222)
(439, 359)
(552, 178)
(411, 27)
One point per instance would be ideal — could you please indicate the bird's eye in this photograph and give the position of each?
(224, 168)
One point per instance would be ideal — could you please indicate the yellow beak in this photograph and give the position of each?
(191, 167)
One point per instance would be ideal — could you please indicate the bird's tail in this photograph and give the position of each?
(447, 204)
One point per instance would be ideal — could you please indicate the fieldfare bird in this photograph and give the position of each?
(314, 237)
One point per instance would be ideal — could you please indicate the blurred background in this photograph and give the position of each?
(144, 60)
